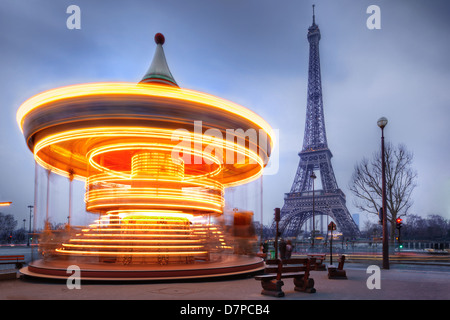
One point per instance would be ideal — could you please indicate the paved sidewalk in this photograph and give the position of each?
(403, 283)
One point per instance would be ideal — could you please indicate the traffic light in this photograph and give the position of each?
(277, 214)
(380, 215)
(399, 223)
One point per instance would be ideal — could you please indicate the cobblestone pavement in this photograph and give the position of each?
(403, 283)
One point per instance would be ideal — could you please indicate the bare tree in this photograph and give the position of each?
(7, 226)
(365, 183)
(433, 227)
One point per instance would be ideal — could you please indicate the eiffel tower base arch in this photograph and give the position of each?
(298, 208)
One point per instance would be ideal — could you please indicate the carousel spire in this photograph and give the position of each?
(159, 71)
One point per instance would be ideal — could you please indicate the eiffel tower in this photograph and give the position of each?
(302, 200)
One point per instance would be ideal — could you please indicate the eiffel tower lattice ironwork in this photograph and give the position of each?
(300, 202)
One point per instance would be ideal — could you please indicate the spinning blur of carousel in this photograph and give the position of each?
(155, 160)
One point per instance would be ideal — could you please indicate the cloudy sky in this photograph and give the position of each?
(255, 53)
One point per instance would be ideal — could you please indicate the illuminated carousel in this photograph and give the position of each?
(155, 160)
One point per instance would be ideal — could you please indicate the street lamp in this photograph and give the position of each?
(382, 122)
(29, 230)
(277, 218)
(313, 177)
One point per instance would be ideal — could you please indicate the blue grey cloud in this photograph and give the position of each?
(254, 53)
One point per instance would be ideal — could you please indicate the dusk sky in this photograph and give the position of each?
(254, 53)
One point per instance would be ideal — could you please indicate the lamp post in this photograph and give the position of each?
(29, 230)
(382, 122)
(277, 218)
(313, 177)
(69, 218)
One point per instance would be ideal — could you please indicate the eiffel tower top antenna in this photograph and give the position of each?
(314, 16)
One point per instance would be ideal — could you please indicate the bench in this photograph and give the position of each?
(277, 269)
(18, 260)
(320, 259)
(339, 272)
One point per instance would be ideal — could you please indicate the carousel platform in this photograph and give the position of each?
(225, 265)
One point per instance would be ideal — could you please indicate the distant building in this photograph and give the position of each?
(355, 217)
